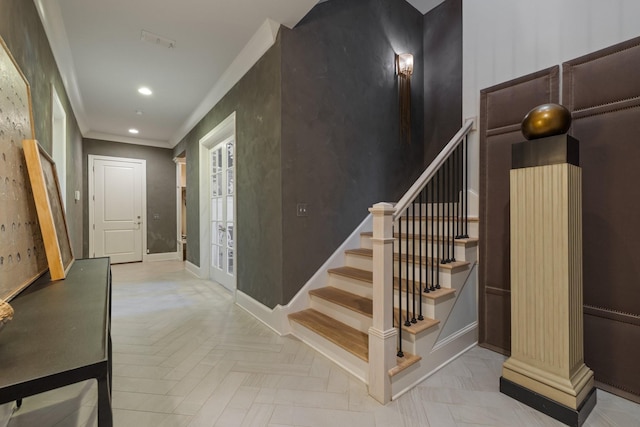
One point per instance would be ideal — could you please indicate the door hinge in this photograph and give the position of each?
(94, 226)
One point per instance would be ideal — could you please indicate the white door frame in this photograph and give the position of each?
(180, 165)
(59, 142)
(225, 130)
(90, 173)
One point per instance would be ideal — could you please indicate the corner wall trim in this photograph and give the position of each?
(272, 318)
(193, 269)
(276, 318)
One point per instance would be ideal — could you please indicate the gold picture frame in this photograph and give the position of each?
(46, 193)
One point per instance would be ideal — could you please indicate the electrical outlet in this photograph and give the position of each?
(301, 209)
(156, 216)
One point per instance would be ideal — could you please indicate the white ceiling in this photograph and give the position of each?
(97, 45)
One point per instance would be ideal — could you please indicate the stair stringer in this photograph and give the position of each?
(438, 349)
(276, 318)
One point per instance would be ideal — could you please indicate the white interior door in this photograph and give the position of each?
(118, 209)
(222, 225)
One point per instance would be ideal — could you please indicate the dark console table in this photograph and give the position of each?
(60, 335)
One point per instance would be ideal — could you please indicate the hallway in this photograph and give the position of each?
(185, 355)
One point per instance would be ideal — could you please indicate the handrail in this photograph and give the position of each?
(430, 171)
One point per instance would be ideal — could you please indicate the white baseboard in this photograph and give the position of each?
(276, 318)
(166, 256)
(272, 317)
(193, 269)
(444, 353)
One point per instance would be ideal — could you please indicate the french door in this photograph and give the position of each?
(222, 193)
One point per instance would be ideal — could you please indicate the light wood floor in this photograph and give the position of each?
(185, 355)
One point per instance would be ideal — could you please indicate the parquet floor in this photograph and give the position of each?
(185, 355)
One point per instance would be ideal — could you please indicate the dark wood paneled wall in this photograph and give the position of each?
(603, 93)
(602, 90)
(502, 109)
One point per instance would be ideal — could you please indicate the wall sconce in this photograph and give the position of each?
(404, 66)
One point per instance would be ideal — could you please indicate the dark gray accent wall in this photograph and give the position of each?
(257, 103)
(341, 147)
(442, 76)
(22, 31)
(161, 190)
(318, 123)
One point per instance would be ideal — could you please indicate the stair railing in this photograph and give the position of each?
(423, 227)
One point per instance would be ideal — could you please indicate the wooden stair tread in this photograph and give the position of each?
(415, 328)
(468, 241)
(367, 277)
(368, 253)
(345, 299)
(346, 337)
(403, 363)
(353, 273)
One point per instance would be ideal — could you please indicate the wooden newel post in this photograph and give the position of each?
(546, 369)
(382, 335)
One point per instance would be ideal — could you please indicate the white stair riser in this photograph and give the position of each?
(355, 286)
(414, 227)
(416, 343)
(447, 277)
(431, 209)
(366, 242)
(435, 309)
(462, 251)
(342, 314)
(348, 361)
(357, 261)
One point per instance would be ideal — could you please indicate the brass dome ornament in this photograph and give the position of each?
(546, 120)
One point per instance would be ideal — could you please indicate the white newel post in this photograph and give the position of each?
(382, 335)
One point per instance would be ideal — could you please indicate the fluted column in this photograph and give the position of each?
(547, 355)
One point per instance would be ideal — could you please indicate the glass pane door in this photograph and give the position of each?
(222, 167)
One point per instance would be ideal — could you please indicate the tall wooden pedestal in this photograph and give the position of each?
(546, 369)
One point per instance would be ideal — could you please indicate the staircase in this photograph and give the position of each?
(401, 287)
(340, 315)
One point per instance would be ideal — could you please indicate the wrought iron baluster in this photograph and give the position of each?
(433, 238)
(445, 210)
(466, 189)
(413, 259)
(406, 233)
(400, 353)
(420, 237)
(451, 220)
(459, 190)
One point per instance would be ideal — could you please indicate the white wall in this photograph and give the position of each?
(505, 39)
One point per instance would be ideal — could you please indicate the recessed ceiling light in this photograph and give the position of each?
(133, 131)
(145, 91)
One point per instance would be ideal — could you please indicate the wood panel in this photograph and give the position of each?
(603, 93)
(546, 284)
(502, 109)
